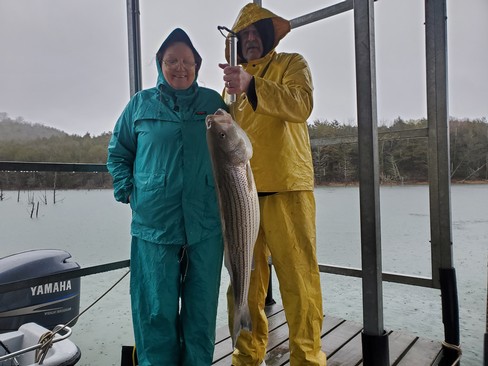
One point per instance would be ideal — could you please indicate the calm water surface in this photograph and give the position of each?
(95, 230)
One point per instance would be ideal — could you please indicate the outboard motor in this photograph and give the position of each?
(47, 304)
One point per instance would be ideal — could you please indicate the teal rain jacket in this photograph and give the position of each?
(158, 157)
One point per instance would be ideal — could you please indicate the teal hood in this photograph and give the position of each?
(177, 35)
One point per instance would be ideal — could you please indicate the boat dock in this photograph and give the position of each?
(341, 341)
(344, 341)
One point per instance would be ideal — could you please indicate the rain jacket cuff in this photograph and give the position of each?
(123, 195)
(251, 94)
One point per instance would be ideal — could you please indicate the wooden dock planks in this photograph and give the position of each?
(341, 340)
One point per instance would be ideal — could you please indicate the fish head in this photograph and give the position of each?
(226, 139)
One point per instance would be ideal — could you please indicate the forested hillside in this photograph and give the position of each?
(19, 129)
(335, 162)
(38, 143)
(401, 160)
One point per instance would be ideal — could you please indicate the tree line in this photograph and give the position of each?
(402, 160)
(59, 149)
(335, 162)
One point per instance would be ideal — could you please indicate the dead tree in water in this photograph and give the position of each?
(54, 187)
(32, 210)
(30, 199)
(473, 173)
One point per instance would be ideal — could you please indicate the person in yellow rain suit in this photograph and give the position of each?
(274, 100)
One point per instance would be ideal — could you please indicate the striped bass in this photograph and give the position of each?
(230, 151)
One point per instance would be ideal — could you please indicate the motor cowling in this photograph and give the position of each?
(47, 304)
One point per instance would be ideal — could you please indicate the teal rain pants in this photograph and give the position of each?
(168, 331)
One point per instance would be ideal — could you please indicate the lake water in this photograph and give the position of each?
(95, 230)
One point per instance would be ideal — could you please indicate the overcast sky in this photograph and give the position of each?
(64, 63)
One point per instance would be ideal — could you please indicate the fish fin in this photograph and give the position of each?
(250, 177)
(228, 265)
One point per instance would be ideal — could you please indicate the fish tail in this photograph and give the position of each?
(246, 318)
(242, 320)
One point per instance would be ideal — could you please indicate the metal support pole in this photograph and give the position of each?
(374, 337)
(437, 116)
(450, 313)
(443, 272)
(322, 13)
(134, 37)
(232, 45)
(485, 362)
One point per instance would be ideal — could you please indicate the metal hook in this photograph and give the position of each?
(222, 27)
(232, 44)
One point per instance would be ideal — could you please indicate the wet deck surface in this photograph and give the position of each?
(341, 341)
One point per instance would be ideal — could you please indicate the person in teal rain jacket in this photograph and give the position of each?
(159, 161)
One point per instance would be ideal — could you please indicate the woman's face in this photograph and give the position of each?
(178, 65)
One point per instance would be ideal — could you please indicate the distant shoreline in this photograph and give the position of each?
(407, 183)
(327, 184)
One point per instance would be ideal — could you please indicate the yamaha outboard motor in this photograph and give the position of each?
(47, 304)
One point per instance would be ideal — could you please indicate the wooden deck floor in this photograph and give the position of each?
(341, 341)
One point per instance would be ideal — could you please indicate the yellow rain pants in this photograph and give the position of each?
(287, 232)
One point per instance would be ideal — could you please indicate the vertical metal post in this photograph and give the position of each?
(134, 37)
(374, 338)
(485, 362)
(443, 272)
(437, 116)
(232, 45)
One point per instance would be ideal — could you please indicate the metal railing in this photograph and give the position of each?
(17, 166)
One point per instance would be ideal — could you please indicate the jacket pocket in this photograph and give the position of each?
(148, 200)
(149, 181)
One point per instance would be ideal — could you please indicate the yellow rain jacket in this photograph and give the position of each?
(277, 124)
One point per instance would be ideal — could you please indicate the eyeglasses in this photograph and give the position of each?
(173, 64)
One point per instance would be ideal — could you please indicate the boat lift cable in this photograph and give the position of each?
(47, 339)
